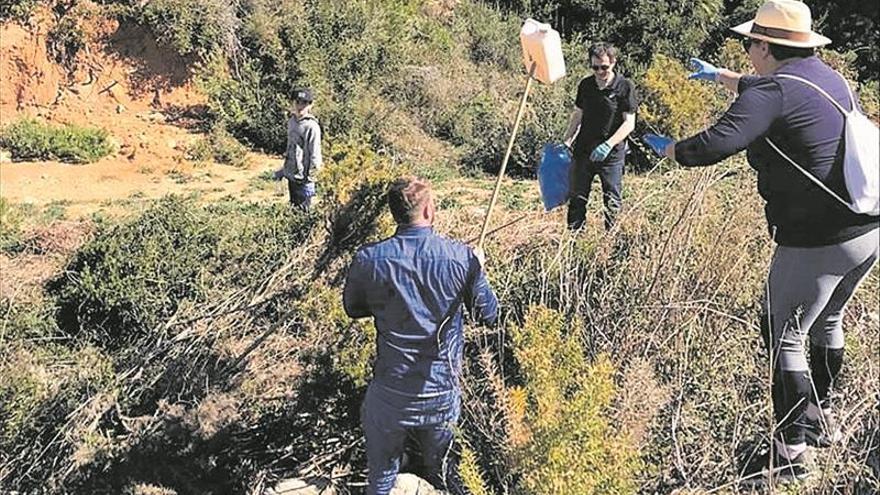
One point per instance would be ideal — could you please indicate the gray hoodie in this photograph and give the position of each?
(303, 160)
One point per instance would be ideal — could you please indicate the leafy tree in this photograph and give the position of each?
(852, 25)
(639, 27)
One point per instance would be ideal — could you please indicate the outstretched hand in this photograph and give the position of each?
(703, 70)
(657, 143)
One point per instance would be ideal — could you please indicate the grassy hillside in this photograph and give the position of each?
(187, 346)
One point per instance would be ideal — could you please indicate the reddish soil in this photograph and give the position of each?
(124, 82)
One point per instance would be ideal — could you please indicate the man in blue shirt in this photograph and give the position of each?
(413, 284)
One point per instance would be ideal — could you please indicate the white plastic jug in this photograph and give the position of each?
(542, 45)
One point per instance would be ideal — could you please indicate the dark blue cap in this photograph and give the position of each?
(304, 95)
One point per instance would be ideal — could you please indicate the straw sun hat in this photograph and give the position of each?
(783, 22)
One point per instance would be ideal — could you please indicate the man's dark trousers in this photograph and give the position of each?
(428, 423)
(610, 174)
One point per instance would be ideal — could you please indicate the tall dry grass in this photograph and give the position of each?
(663, 377)
(672, 295)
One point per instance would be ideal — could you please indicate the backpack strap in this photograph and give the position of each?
(809, 175)
(852, 99)
(839, 107)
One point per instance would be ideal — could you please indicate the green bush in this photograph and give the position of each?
(869, 97)
(193, 27)
(29, 139)
(674, 105)
(66, 39)
(19, 10)
(560, 431)
(11, 219)
(370, 63)
(843, 62)
(30, 319)
(488, 34)
(133, 275)
(640, 28)
(251, 108)
(219, 146)
(42, 388)
(344, 50)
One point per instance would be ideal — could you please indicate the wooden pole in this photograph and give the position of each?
(519, 114)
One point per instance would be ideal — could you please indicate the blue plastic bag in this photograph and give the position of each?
(554, 175)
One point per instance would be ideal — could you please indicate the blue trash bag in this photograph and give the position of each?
(554, 175)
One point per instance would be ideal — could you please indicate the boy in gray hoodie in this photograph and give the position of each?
(302, 160)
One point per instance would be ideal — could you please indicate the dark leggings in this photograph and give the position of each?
(806, 294)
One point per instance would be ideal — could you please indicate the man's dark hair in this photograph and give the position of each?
(600, 49)
(405, 198)
(781, 52)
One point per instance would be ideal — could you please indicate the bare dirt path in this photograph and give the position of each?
(143, 95)
(83, 189)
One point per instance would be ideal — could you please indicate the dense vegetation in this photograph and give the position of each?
(190, 348)
(30, 139)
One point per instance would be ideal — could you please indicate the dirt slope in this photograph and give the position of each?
(122, 81)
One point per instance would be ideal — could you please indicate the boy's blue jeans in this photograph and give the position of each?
(389, 420)
(301, 194)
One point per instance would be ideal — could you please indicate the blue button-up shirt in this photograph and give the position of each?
(413, 285)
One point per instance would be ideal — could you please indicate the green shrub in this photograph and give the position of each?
(560, 434)
(471, 474)
(853, 27)
(640, 28)
(869, 97)
(344, 50)
(219, 146)
(251, 108)
(42, 388)
(732, 56)
(370, 63)
(31, 319)
(198, 27)
(488, 34)
(29, 139)
(674, 105)
(353, 186)
(11, 219)
(846, 63)
(843, 62)
(133, 275)
(66, 39)
(19, 10)
(22, 391)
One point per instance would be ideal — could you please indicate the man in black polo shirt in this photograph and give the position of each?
(603, 116)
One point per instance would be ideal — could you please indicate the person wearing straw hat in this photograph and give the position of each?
(824, 249)
(414, 285)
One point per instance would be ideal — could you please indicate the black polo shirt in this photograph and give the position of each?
(603, 111)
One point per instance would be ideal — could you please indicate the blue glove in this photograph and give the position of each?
(601, 152)
(703, 70)
(657, 143)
